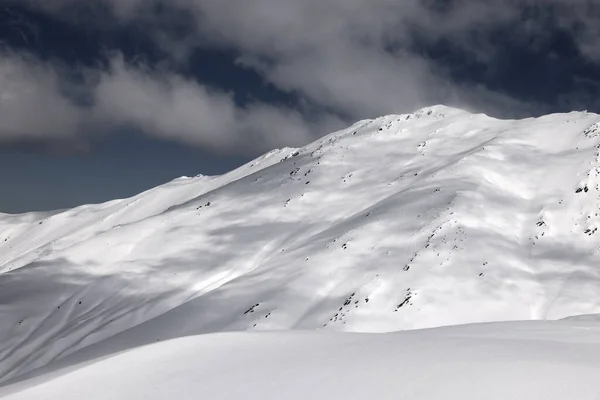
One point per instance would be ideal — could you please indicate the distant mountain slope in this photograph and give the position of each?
(433, 218)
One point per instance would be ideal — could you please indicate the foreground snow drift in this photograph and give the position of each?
(532, 360)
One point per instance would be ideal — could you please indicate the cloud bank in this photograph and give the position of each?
(37, 102)
(349, 59)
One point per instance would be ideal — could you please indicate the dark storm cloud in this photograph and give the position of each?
(351, 58)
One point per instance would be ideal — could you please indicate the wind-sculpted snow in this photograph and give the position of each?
(434, 218)
(525, 360)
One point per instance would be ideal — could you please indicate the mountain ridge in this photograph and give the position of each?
(437, 217)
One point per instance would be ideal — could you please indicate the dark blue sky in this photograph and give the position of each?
(120, 166)
(260, 81)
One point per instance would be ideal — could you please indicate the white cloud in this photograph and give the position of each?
(34, 105)
(171, 106)
(355, 56)
(31, 105)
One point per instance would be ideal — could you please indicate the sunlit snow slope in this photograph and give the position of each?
(409, 221)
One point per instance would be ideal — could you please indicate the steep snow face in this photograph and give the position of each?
(433, 218)
(525, 360)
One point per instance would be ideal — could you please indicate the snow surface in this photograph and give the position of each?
(435, 218)
(526, 360)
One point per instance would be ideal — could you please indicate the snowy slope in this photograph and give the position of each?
(526, 360)
(434, 218)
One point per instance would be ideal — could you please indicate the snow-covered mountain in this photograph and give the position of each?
(434, 218)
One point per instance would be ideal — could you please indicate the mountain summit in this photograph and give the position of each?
(438, 217)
